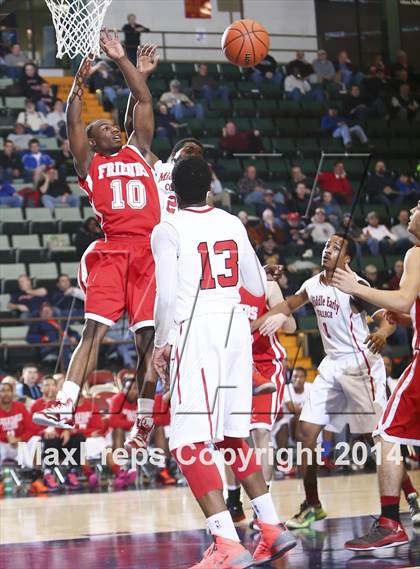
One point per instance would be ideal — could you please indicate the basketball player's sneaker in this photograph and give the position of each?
(140, 433)
(261, 385)
(384, 533)
(306, 516)
(275, 541)
(225, 554)
(163, 477)
(414, 507)
(59, 413)
(38, 487)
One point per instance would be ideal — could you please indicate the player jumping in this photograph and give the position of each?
(116, 274)
(202, 257)
(350, 386)
(400, 422)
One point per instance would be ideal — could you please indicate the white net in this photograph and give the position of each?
(77, 25)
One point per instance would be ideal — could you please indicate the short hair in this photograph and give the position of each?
(7, 384)
(191, 179)
(351, 248)
(33, 141)
(183, 141)
(302, 369)
(62, 275)
(49, 378)
(31, 364)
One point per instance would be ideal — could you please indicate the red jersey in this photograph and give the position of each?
(122, 192)
(88, 418)
(15, 422)
(264, 348)
(122, 413)
(415, 317)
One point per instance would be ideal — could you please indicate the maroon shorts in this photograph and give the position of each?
(265, 408)
(117, 276)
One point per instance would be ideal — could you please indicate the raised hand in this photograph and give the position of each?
(345, 280)
(110, 44)
(147, 60)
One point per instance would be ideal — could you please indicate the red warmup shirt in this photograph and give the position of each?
(88, 418)
(15, 422)
(122, 412)
(329, 182)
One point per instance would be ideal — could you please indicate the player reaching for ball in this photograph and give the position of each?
(116, 274)
(202, 257)
(399, 423)
(350, 386)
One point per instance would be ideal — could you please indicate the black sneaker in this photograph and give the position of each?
(384, 533)
(236, 510)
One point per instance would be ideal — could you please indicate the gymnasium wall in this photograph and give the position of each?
(287, 17)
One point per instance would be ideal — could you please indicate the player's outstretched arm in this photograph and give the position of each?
(376, 341)
(268, 323)
(76, 128)
(397, 300)
(275, 296)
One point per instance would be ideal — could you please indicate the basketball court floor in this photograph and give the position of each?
(163, 529)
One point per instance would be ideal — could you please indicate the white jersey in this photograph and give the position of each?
(203, 256)
(167, 198)
(342, 331)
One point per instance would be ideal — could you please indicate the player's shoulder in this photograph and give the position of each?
(412, 253)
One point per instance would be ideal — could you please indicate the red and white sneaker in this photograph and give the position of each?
(225, 554)
(59, 414)
(261, 385)
(140, 433)
(384, 533)
(275, 541)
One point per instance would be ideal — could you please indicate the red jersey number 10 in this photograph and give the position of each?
(231, 264)
(135, 194)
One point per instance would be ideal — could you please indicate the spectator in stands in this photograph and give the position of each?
(9, 196)
(57, 119)
(218, 194)
(398, 269)
(379, 90)
(301, 64)
(400, 229)
(297, 176)
(300, 199)
(249, 181)
(56, 192)
(115, 336)
(404, 105)
(295, 232)
(179, 104)
(269, 252)
(123, 412)
(266, 70)
(346, 72)
(27, 300)
(380, 240)
(320, 229)
(104, 78)
(15, 60)
(371, 274)
(338, 127)
(270, 225)
(31, 81)
(28, 386)
(67, 299)
(19, 137)
(278, 209)
(407, 188)
(46, 99)
(64, 160)
(253, 235)
(89, 233)
(297, 88)
(355, 105)
(166, 125)
(331, 208)
(10, 162)
(34, 121)
(132, 31)
(204, 85)
(50, 331)
(402, 63)
(15, 425)
(11, 381)
(337, 183)
(349, 228)
(380, 184)
(233, 141)
(323, 67)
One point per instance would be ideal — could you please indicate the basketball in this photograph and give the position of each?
(245, 43)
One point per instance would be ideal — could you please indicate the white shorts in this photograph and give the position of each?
(95, 446)
(348, 389)
(211, 379)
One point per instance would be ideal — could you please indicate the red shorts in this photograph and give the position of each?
(117, 276)
(400, 421)
(265, 408)
(161, 411)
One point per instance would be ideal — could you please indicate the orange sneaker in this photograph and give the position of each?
(1, 488)
(165, 478)
(225, 554)
(38, 487)
(261, 385)
(274, 542)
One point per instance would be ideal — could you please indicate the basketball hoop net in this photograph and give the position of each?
(77, 25)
